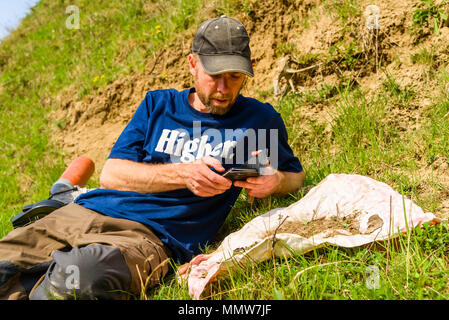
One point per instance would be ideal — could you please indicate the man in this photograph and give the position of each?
(162, 194)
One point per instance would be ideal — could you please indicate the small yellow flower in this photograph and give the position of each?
(96, 78)
(158, 26)
(102, 76)
(158, 31)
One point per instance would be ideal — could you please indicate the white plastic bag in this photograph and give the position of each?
(371, 210)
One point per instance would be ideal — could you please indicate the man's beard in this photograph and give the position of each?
(208, 102)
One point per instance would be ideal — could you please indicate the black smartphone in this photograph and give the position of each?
(235, 174)
(251, 168)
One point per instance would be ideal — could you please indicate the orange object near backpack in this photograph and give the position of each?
(79, 171)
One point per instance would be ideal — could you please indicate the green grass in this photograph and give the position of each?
(362, 134)
(345, 10)
(425, 57)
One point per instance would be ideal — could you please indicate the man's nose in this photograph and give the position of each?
(222, 84)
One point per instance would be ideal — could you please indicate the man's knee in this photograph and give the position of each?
(91, 272)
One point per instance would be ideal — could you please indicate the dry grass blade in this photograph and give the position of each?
(144, 286)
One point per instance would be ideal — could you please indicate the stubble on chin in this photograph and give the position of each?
(209, 105)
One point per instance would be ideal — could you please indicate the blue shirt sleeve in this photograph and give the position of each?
(130, 144)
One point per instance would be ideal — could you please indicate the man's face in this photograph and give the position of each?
(217, 93)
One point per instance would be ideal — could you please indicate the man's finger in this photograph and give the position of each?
(213, 163)
(205, 190)
(204, 182)
(249, 183)
(215, 180)
(214, 177)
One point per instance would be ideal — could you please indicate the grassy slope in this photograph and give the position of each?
(115, 38)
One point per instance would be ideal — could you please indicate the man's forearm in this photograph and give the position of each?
(127, 175)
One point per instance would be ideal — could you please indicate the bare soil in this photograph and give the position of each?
(348, 225)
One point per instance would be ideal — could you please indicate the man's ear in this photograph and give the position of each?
(192, 63)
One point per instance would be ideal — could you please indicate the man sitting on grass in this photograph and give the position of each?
(162, 192)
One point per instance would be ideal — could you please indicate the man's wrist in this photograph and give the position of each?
(183, 171)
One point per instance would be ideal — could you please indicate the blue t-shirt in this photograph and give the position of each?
(164, 129)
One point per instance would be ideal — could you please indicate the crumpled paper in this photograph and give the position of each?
(380, 211)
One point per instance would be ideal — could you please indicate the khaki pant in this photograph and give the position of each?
(76, 251)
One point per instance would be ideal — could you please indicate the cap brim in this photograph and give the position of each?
(216, 64)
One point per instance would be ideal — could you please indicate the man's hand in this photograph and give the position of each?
(263, 185)
(272, 182)
(202, 181)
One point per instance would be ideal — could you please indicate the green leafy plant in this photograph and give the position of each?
(431, 13)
